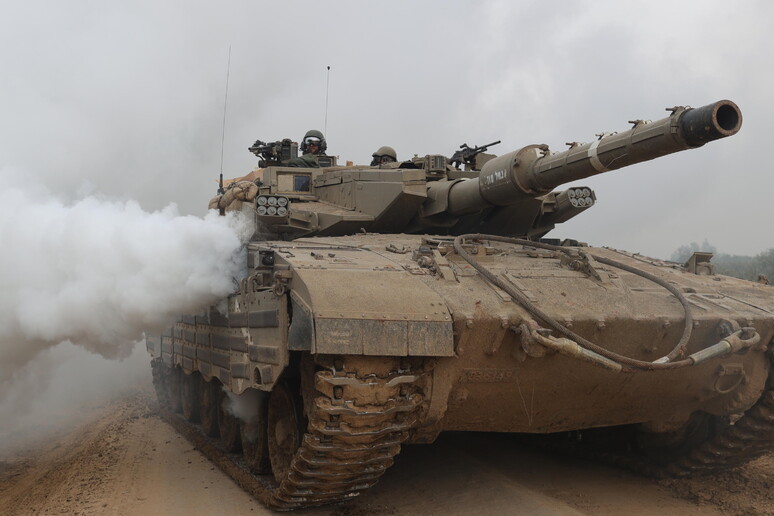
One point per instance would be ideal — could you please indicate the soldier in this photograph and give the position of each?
(385, 154)
(313, 145)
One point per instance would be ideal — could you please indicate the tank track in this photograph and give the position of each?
(356, 426)
(733, 445)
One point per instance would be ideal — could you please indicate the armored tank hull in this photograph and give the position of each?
(393, 339)
(338, 348)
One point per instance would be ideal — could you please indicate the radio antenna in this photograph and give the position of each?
(223, 134)
(327, 87)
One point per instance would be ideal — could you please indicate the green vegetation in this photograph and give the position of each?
(745, 267)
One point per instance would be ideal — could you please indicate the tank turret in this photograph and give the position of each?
(511, 195)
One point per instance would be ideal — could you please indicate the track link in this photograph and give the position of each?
(749, 438)
(356, 426)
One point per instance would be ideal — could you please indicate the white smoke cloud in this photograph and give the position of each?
(99, 272)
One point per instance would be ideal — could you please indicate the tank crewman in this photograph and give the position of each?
(384, 154)
(314, 144)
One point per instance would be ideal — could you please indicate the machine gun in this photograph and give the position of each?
(274, 153)
(466, 154)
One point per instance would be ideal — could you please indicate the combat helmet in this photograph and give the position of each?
(384, 154)
(385, 150)
(312, 134)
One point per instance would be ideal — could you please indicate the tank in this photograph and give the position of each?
(383, 305)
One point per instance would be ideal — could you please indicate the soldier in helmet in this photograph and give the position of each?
(384, 154)
(312, 145)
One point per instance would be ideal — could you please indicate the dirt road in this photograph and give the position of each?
(125, 460)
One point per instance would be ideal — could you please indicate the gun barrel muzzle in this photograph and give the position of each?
(710, 122)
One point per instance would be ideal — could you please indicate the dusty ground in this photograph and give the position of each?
(125, 460)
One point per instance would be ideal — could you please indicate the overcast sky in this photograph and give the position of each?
(125, 99)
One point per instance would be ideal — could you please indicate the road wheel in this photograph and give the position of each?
(189, 396)
(228, 424)
(284, 429)
(159, 371)
(172, 377)
(253, 432)
(664, 448)
(209, 399)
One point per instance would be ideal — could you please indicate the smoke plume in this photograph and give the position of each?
(98, 272)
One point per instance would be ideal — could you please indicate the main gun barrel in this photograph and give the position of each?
(533, 171)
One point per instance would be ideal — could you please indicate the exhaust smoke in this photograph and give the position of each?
(98, 273)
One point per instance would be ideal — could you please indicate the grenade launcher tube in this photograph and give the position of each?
(533, 171)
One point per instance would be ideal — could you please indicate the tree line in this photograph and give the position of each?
(745, 267)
